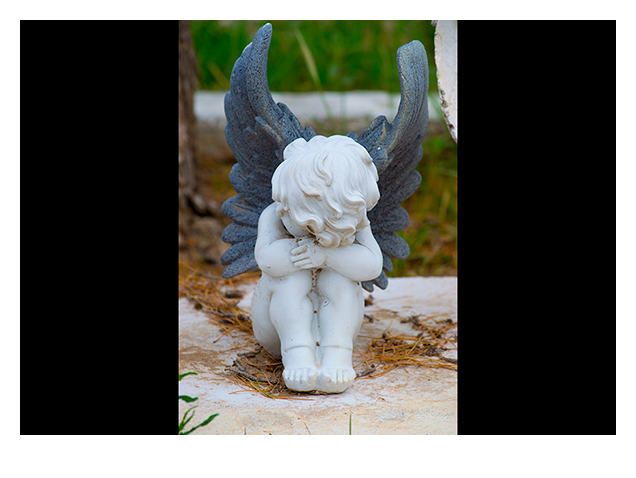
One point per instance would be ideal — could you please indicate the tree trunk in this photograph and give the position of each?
(187, 84)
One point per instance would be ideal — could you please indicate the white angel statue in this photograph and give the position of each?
(317, 215)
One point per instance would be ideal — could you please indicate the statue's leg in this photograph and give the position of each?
(264, 330)
(340, 317)
(291, 313)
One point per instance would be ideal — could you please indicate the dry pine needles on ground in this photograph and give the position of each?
(216, 297)
(258, 371)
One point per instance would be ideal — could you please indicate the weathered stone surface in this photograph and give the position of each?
(446, 62)
(414, 400)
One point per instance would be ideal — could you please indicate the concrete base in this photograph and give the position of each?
(411, 400)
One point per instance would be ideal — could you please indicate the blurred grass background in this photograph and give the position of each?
(349, 54)
(345, 55)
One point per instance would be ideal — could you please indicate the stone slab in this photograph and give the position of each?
(310, 107)
(353, 111)
(413, 400)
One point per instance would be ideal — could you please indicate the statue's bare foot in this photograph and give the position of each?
(336, 372)
(301, 379)
(300, 372)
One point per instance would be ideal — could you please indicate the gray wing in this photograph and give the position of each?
(396, 148)
(257, 131)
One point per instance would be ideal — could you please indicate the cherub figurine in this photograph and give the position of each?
(315, 247)
(317, 215)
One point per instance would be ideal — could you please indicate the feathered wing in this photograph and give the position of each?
(396, 148)
(257, 131)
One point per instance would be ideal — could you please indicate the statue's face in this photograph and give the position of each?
(293, 228)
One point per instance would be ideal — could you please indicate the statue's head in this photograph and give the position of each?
(326, 185)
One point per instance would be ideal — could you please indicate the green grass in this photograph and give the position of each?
(189, 414)
(349, 54)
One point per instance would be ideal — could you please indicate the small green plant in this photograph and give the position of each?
(349, 423)
(186, 419)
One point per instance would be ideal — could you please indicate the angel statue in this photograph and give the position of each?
(317, 215)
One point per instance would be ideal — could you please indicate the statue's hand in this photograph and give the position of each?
(308, 255)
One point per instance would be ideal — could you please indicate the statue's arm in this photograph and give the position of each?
(358, 262)
(273, 245)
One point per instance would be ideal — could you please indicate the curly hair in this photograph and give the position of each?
(327, 185)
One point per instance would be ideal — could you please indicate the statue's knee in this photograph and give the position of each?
(291, 286)
(334, 285)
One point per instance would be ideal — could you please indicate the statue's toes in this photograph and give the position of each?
(335, 380)
(300, 379)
